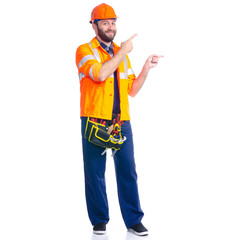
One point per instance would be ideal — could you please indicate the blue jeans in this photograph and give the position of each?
(95, 186)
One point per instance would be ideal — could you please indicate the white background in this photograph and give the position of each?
(185, 119)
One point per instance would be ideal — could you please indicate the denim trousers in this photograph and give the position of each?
(126, 176)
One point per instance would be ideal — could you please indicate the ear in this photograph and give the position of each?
(94, 28)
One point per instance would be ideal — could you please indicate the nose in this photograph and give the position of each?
(110, 27)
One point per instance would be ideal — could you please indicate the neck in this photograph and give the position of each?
(106, 43)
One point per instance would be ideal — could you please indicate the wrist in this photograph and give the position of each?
(122, 51)
(146, 68)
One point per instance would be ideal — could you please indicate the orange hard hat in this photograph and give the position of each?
(102, 11)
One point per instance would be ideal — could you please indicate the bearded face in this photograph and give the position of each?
(106, 30)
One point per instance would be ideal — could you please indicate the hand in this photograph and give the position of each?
(152, 61)
(127, 46)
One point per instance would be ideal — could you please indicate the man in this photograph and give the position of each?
(106, 80)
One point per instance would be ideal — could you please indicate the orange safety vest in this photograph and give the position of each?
(97, 97)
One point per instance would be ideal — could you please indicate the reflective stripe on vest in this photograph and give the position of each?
(97, 57)
(130, 71)
(81, 75)
(95, 52)
(84, 59)
(124, 75)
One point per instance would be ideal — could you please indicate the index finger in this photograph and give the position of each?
(132, 37)
(157, 56)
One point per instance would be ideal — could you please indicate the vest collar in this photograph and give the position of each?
(95, 44)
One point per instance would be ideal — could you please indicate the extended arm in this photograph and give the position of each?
(151, 62)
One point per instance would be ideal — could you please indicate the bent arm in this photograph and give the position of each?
(151, 62)
(110, 66)
(139, 81)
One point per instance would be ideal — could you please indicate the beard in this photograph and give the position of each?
(103, 35)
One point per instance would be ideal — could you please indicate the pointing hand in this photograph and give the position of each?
(127, 46)
(152, 61)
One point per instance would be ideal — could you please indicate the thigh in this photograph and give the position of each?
(124, 158)
(94, 161)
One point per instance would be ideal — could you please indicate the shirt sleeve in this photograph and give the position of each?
(87, 64)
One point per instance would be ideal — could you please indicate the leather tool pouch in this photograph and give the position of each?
(96, 133)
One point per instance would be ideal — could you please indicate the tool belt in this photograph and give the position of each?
(105, 134)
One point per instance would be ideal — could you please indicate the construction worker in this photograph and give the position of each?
(106, 80)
